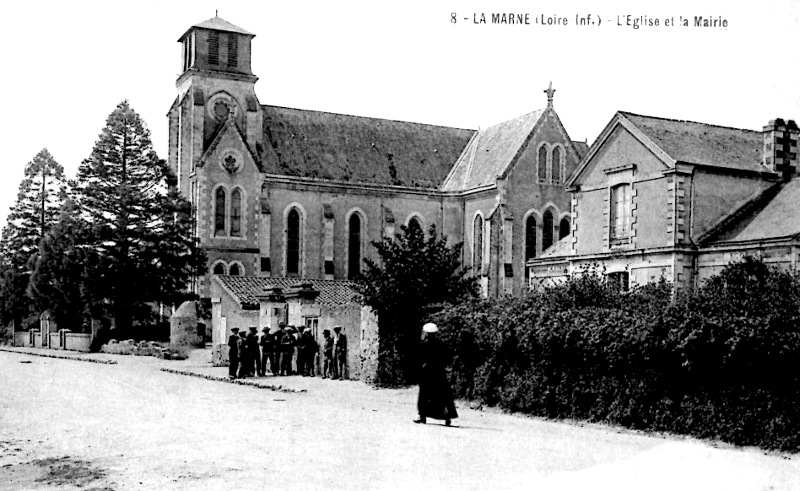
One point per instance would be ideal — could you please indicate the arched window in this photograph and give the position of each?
(547, 229)
(563, 228)
(556, 165)
(219, 212)
(542, 163)
(293, 242)
(235, 270)
(236, 213)
(530, 238)
(477, 245)
(219, 268)
(414, 224)
(354, 246)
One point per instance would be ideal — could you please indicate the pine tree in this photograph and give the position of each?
(40, 197)
(140, 226)
(65, 273)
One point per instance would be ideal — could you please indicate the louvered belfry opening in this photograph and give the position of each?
(213, 48)
(233, 50)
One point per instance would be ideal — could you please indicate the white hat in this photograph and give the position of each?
(430, 327)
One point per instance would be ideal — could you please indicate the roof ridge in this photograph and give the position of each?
(628, 113)
(367, 117)
(541, 111)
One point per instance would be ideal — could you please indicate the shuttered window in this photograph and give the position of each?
(213, 48)
(620, 211)
(233, 50)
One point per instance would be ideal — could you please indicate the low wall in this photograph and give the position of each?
(22, 339)
(75, 341)
(219, 355)
(37, 340)
(55, 341)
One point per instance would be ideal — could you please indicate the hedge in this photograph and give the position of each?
(720, 361)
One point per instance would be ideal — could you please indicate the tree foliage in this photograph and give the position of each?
(66, 272)
(415, 276)
(127, 225)
(41, 195)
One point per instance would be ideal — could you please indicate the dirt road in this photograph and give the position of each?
(72, 425)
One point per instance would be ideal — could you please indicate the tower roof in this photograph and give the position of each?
(218, 24)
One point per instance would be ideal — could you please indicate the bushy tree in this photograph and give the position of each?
(414, 277)
(718, 361)
(134, 221)
(39, 200)
(65, 273)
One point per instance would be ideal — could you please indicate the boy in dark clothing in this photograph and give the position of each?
(233, 352)
(327, 354)
(339, 353)
(301, 353)
(267, 352)
(308, 348)
(278, 336)
(252, 350)
(244, 358)
(287, 351)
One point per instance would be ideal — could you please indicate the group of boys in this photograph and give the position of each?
(250, 354)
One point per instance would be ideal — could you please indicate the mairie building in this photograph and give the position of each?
(663, 198)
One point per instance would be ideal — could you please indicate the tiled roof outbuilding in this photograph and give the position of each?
(247, 289)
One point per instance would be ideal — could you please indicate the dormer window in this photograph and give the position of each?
(213, 48)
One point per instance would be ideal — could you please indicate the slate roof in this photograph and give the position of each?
(561, 248)
(246, 289)
(358, 149)
(700, 143)
(218, 24)
(772, 218)
(490, 152)
(581, 148)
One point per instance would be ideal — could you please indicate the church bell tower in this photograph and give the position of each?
(215, 130)
(216, 84)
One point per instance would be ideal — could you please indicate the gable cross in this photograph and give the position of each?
(550, 91)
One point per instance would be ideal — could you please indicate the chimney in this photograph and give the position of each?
(780, 147)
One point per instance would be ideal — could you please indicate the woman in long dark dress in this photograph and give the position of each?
(435, 397)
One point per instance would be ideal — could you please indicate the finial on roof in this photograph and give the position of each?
(216, 13)
(550, 91)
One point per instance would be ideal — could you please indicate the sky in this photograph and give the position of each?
(66, 65)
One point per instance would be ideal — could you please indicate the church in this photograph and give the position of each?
(288, 193)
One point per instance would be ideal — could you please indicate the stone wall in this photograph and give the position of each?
(183, 327)
(368, 349)
(22, 339)
(75, 341)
